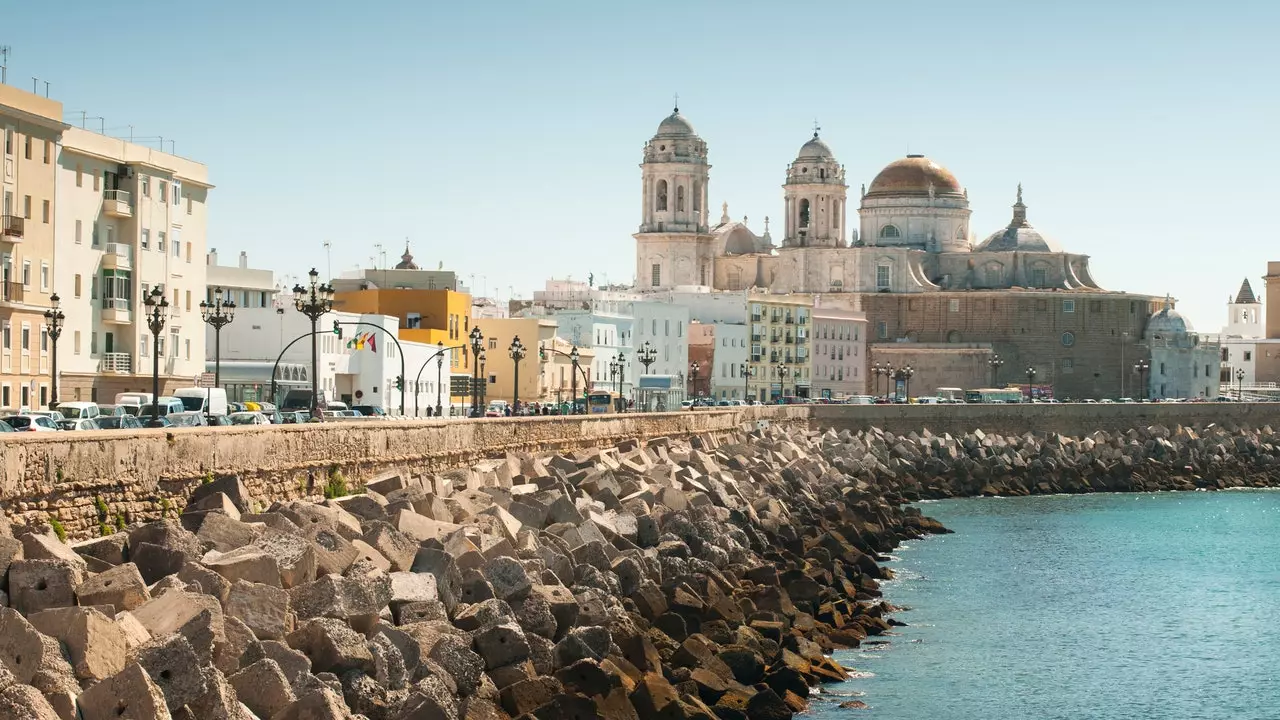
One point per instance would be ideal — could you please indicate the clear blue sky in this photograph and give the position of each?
(503, 138)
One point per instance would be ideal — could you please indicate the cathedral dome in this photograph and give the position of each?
(914, 175)
(815, 149)
(676, 124)
(1018, 235)
(1168, 321)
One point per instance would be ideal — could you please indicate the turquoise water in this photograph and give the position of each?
(1105, 607)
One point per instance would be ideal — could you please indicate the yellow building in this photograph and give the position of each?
(535, 373)
(31, 127)
(780, 355)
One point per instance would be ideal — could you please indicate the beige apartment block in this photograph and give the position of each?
(781, 328)
(130, 219)
(539, 375)
(31, 127)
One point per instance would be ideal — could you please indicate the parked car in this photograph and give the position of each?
(248, 418)
(78, 410)
(370, 410)
(32, 423)
(119, 422)
(5, 427)
(111, 410)
(80, 424)
(218, 420)
(188, 418)
(53, 415)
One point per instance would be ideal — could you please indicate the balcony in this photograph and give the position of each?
(790, 320)
(11, 292)
(12, 228)
(117, 256)
(115, 362)
(117, 311)
(801, 339)
(115, 203)
(791, 340)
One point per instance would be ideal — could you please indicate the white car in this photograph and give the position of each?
(53, 415)
(80, 424)
(248, 418)
(32, 423)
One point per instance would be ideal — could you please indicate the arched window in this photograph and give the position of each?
(822, 173)
(679, 198)
(661, 202)
(890, 231)
(960, 233)
(804, 213)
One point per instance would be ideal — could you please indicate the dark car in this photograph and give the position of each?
(119, 422)
(370, 410)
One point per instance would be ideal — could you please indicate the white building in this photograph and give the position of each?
(730, 356)
(1183, 364)
(609, 334)
(664, 326)
(129, 219)
(839, 342)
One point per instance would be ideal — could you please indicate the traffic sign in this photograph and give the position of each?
(206, 380)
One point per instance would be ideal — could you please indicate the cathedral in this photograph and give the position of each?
(954, 307)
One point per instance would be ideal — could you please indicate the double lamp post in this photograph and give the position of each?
(313, 300)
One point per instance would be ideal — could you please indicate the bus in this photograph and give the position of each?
(993, 395)
(601, 402)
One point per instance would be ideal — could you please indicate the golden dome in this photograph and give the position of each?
(914, 175)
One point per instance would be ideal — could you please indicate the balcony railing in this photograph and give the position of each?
(114, 362)
(115, 203)
(12, 226)
(11, 292)
(117, 256)
(117, 195)
(114, 303)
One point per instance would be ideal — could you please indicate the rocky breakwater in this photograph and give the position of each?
(706, 579)
(919, 465)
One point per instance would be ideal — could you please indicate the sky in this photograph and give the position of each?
(502, 139)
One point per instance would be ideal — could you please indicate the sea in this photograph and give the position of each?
(1107, 607)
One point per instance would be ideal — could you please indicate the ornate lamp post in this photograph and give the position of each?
(617, 370)
(517, 353)
(1031, 378)
(477, 345)
(1240, 384)
(573, 380)
(313, 300)
(904, 374)
(156, 310)
(219, 314)
(745, 369)
(53, 319)
(482, 389)
(694, 367)
(1141, 367)
(885, 370)
(783, 371)
(647, 356)
(995, 362)
(440, 379)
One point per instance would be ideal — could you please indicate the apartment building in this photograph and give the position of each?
(839, 352)
(780, 348)
(31, 127)
(130, 219)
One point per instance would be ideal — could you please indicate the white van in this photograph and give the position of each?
(167, 404)
(131, 401)
(195, 398)
(79, 410)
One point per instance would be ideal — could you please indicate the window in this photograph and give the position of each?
(1248, 355)
(882, 277)
(804, 213)
(44, 338)
(680, 198)
(8, 149)
(26, 337)
(177, 246)
(1068, 366)
(1038, 278)
(44, 211)
(1161, 368)
(8, 336)
(117, 289)
(186, 348)
(79, 231)
(1068, 339)
(177, 191)
(26, 206)
(162, 191)
(26, 148)
(1068, 306)
(188, 303)
(657, 275)
(660, 202)
(890, 231)
(93, 240)
(146, 239)
(145, 181)
(79, 175)
(93, 343)
(93, 288)
(26, 273)
(75, 342)
(44, 277)
(48, 152)
(882, 330)
(160, 241)
(953, 306)
(76, 283)
(144, 346)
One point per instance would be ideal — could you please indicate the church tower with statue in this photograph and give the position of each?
(674, 246)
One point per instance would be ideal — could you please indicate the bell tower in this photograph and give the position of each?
(815, 194)
(673, 244)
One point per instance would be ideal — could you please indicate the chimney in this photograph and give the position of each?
(211, 258)
(244, 260)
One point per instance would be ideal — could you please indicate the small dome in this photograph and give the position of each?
(406, 260)
(1168, 321)
(815, 149)
(1018, 235)
(914, 176)
(676, 124)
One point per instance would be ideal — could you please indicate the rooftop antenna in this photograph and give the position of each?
(4, 63)
(328, 253)
(676, 103)
(102, 124)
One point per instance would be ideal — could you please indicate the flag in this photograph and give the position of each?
(372, 347)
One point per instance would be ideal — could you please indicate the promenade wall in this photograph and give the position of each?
(141, 474)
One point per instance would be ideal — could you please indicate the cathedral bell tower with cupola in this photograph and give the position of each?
(673, 245)
(815, 198)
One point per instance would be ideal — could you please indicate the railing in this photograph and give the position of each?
(116, 195)
(804, 320)
(120, 249)
(790, 320)
(12, 225)
(11, 292)
(115, 362)
(113, 303)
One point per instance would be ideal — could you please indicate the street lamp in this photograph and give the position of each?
(886, 370)
(313, 300)
(617, 371)
(995, 362)
(482, 390)
(219, 314)
(573, 380)
(1141, 367)
(517, 353)
(1240, 384)
(156, 307)
(745, 369)
(904, 374)
(647, 356)
(783, 371)
(1031, 378)
(477, 345)
(440, 380)
(53, 319)
(694, 367)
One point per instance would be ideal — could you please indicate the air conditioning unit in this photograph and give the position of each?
(124, 171)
